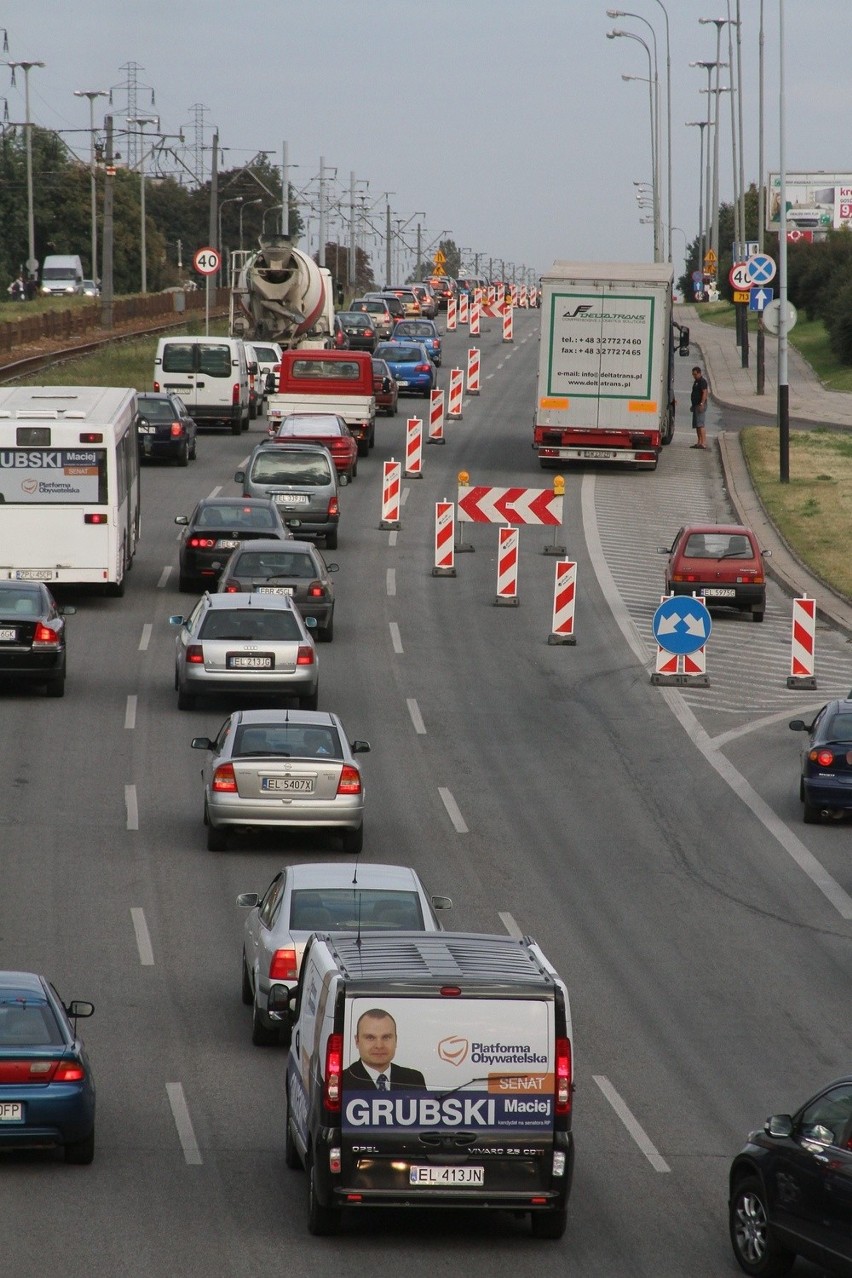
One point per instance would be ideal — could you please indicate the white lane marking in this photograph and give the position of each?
(216, 491)
(632, 1124)
(391, 581)
(509, 924)
(132, 807)
(164, 576)
(183, 1123)
(143, 937)
(147, 630)
(130, 713)
(396, 638)
(416, 716)
(792, 845)
(404, 497)
(753, 725)
(452, 810)
(392, 536)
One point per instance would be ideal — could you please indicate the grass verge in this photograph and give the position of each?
(809, 338)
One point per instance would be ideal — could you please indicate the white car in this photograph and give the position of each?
(321, 897)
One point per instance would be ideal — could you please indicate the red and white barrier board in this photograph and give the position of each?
(508, 325)
(564, 603)
(480, 505)
(445, 527)
(436, 417)
(391, 493)
(803, 649)
(451, 314)
(464, 304)
(507, 566)
(473, 370)
(414, 448)
(454, 407)
(475, 310)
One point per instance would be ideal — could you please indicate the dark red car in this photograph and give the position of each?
(722, 563)
(385, 388)
(322, 428)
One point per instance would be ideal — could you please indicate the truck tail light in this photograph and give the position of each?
(350, 780)
(305, 655)
(224, 779)
(563, 1076)
(195, 655)
(333, 1070)
(282, 966)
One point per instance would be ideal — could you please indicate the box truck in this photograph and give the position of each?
(606, 368)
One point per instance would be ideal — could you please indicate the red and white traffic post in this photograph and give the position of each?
(564, 602)
(508, 329)
(414, 448)
(454, 408)
(436, 417)
(451, 314)
(803, 652)
(463, 308)
(391, 493)
(445, 527)
(473, 370)
(507, 566)
(475, 312)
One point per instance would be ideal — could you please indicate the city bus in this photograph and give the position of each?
(69, 484)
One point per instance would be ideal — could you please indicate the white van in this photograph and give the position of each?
(211, 375)
(62, 273)
(429, 1070)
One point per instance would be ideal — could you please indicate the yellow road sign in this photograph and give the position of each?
(439, 270)
(440, 258)
(741, 294)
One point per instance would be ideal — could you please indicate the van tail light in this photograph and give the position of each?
(563, 1076)
(305, 655)
(176, 430)
(95, 518)
(316, 590)
(195, 655)
(235, 393)
(282, 966)
(224, 779)
(333, 508)
(350, 780)
(156, 386)
(333, 1070)
(45, 636)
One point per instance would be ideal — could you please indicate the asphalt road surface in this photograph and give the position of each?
(650, 839)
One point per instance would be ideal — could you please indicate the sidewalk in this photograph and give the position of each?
(734, 386)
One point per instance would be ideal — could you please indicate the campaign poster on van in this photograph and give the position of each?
(601, 346)
(49, 475)
(448, 1064)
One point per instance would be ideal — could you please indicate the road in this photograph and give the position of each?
(651, 839)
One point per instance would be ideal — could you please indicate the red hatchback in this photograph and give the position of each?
(322, 428)
(722, 563)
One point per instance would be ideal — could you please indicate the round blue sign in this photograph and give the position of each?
(682, 625)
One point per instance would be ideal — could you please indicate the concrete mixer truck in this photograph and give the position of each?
(279, 294)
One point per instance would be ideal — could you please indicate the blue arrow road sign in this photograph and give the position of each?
(682, 625)
(759, 298)
(761, 268)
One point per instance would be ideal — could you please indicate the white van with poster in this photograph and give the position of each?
(429, 1070)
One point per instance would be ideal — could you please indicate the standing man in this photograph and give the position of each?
(698, 401)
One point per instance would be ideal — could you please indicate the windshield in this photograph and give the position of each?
(292, 741)
(250, 623)
(369, 908)
(310, 470)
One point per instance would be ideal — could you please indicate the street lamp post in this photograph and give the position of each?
(653, 85)
(26, 67)
(91, 94)
(141, 121)
(718, 23)
(709, 67)
(243, 206)
(274, 208)
(232, 199)
(702, 125)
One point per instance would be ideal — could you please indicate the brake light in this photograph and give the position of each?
(40, 1071)
(235, 393)
(201, 543)
(69, 1072)
(421, 368)
(305, 655)
(563, 1076)
(224, 780)
(333, 508)
(95, 518)
(156, 386)
(333, 1070)
(350, 780)
(368, 332)
(283, 966)
(44, 634)
(195, 654)
(824, 758)
(232, 588)
(316, 590)
(686, 576)
(176, 430)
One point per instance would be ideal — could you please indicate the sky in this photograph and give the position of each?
(504, 126)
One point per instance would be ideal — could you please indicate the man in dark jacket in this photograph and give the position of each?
(375, 1038)
(698, 403)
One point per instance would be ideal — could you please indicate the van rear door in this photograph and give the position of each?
(178, 371)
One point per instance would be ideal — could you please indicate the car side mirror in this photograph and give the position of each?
(182, 519)
(360, 747)
(779, 1126)
(798, 725)
(239, 476)
(252, 368)
(80, 1008)
(248, 899)
(386, 385)
(66, 610)
(332, 567)
(278, 1003)
(442, 902)
(310, 622)
(177, 620)
(201, 743)
(683, 346)
(270, 383)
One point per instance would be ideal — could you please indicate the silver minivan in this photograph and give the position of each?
(302, 481)
(211, 375)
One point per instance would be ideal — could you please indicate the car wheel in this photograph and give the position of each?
(56, 687)
(325, 634)
(186, 701)
(810, 814)
(757, 616)
(372, 442)
(245, 422)
(752, 1237)
(187, 584)
(81, 1152)
(331, 540)
(236, 427)
(311, 702)
(354, 469)
(549, 1224)
(363, 447)
(353, 841)
(261, 1034)
(322, 1221)
(193, 455)
(217, 835)
(183, 455)
(291, 1153)
(394, 409)
(246, 992)
(253, 410)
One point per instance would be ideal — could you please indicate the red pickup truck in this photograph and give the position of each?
(318, 381)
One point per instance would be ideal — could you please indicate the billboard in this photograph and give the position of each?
(816, 202)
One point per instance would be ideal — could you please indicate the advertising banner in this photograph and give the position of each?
(600, 346)
(47, 475)
(815, 201)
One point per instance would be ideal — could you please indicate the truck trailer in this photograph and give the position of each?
(606, 367)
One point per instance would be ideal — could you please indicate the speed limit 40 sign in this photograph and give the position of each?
(207, 261)
(739, 277)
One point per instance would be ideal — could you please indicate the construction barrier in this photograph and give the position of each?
(451, 314)
(508, 329)
(475, 312)
(803, 653)
(391, 489)
(445, 556)
(473, 370)
(454, 407)
(677, 668)
(414, 448)
(464, 306)
(564, 601)
(507, 566)
(522, 296)
(436, 417)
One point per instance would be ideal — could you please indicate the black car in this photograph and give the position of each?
(825, 786)
(791, 1188)
(32, 635)
(165, 428)
(359, 329)
(216, 527)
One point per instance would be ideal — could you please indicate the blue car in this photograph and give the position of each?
(825, 786)
(47, 1093)
(422, 330)
(410, 364)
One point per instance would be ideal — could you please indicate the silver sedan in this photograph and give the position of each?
(302, 899)
(285, 769)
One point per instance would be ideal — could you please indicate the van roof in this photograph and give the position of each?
(408, 961)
